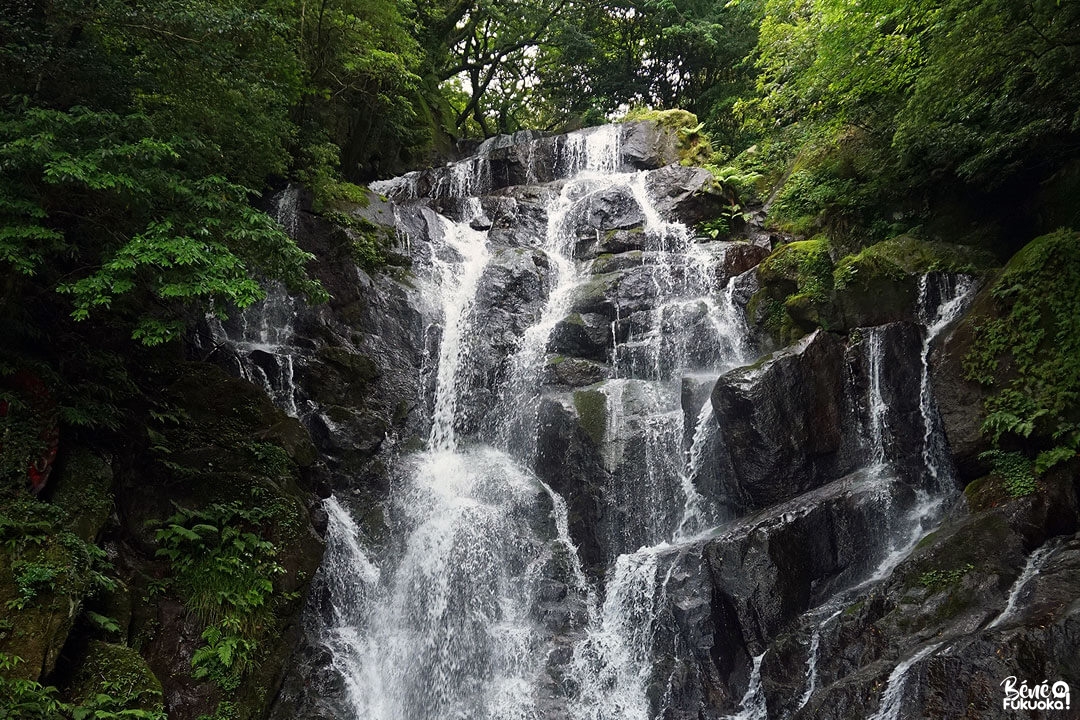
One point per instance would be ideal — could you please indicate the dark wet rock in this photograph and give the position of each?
(740, 257)
(583, 335)
(607, 262)
(961, 401)
(950, 594)
(685, 194)
(800, 417)
(568, 459)
(899, 382)
(783, 421)
(648, 146)
(575, 372)
(612, 208)
(617, 294)
(606, 243)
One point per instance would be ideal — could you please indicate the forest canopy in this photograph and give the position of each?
(136, 138)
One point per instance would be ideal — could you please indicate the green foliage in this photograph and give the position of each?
(1015, 470)
(224, 711)
(936, 580)
(30, 700)
(46, 560)
(953, 92)
(899, 256)
(807, 197)
(26, 699)
(1029, 352)
(130, 156)
(224, 570)
(32, 577)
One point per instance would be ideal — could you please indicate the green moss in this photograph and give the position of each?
(591, 406)
(669, 119)
(1029, 351)
(83, 488)
(903, 255)
(796, 284)
(45, 572)
(556, 360)
(805, 264)
(119, 671)
(356, 367)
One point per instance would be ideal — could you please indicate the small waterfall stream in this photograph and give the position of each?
(477, 602)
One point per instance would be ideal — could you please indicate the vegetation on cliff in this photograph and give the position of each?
(137, 144)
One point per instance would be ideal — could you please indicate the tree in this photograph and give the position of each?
(132, 139)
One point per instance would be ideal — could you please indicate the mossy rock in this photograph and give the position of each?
(799, 266)
(356, 366)
(340, 375)
(45, 572)
(609, 262)
(694, 145)
(83, 487)
(294, 439)
(984, 493)
(591, 406)
(905, 255)
(119, 671)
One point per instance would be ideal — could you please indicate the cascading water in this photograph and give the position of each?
(261, 336)
(476, 604)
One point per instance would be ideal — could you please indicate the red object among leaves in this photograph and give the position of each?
(43, 408)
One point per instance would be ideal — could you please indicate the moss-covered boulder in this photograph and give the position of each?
(83, 486)
(46, 571)
(119, 672)
(880, 283)
(665, 136)
(795, 283)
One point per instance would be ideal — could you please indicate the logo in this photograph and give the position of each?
(1044, 696)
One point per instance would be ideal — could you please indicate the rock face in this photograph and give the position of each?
(713, 531)
(783, 425)
(960, 400)
(796, 419)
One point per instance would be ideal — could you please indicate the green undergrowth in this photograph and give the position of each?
(1027, 354)
(111, 699)
(47, 563)
(224, 570)
(938, 579)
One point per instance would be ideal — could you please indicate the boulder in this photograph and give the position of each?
(647, 145)
(782, 423)
(684, 194)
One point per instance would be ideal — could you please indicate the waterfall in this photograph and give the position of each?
(1032, 568)
(457, 283)
(812, 658)
(953, 296)
(261, 336)
(877, 409)
(752, 706)
(476, 601)
(893, 697)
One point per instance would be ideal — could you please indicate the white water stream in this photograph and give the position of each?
(440, 620)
